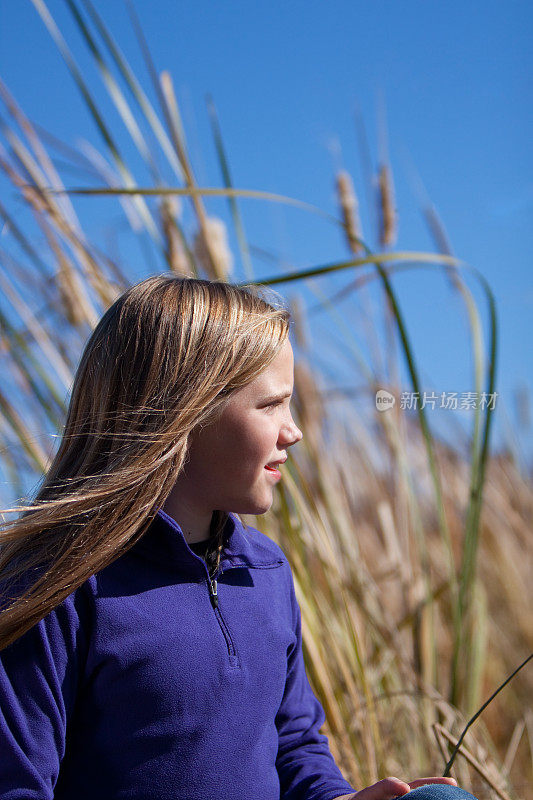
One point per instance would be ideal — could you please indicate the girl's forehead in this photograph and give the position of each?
(280, 371)
(275, 381)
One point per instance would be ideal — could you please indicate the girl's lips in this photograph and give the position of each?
(275, 472)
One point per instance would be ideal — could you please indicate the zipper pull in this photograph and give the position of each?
(213, 593)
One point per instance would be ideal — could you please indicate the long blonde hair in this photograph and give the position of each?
(163, 359)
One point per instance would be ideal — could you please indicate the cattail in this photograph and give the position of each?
(29, 443)
(216, 252)
(441, 240)
(72, 290)
(308, 402)
(350, 211)
(69, 287)
(387, 208)
(170, 210)
(300, 327)
(523, 408)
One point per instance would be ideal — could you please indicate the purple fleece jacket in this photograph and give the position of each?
(140, 686)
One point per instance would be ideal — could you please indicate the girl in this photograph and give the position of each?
(151, 643)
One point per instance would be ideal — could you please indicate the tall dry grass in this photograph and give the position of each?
(411, 555)
(379, 648)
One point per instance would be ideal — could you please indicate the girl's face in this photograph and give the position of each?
(232, 461)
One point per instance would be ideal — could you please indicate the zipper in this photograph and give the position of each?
(213, 596)
(213, 593)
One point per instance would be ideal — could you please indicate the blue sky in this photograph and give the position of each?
(455, 80)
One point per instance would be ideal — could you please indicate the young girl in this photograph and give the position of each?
(151, 643)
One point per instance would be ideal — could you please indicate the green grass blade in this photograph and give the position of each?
(471, 542)
(114, 90)
(208, 191)
(97, 117)
(136, 90)
(41, 336)
(35, 453)
(464, 635)
(22, 240)
(19, 351)
(226, 176)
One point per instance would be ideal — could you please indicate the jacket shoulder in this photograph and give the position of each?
(266, 544)
(256, 549)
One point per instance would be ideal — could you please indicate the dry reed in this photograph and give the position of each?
(356, 512)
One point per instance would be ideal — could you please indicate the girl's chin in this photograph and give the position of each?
(256, 506)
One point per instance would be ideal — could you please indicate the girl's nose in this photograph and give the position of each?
(290, 434)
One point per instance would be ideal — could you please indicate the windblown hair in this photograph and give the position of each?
(162, 360)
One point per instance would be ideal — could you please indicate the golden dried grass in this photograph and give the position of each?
(360, 512)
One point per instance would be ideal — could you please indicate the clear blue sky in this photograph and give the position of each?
(456, 82)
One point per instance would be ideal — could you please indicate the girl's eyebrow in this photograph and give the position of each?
(280, 396)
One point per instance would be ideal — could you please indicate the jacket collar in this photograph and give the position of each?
(164, 542)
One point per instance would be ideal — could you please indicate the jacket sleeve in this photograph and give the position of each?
(304, 763)
(39, 676)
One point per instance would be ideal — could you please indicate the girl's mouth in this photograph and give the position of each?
(273, 471)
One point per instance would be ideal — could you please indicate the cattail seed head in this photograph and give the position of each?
(69, 287)
(170, 210)
(300, 327)
(216, 251)
(308, 402)
(350, 211)
(387, 208)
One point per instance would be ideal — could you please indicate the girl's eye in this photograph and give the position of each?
(274, 404)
